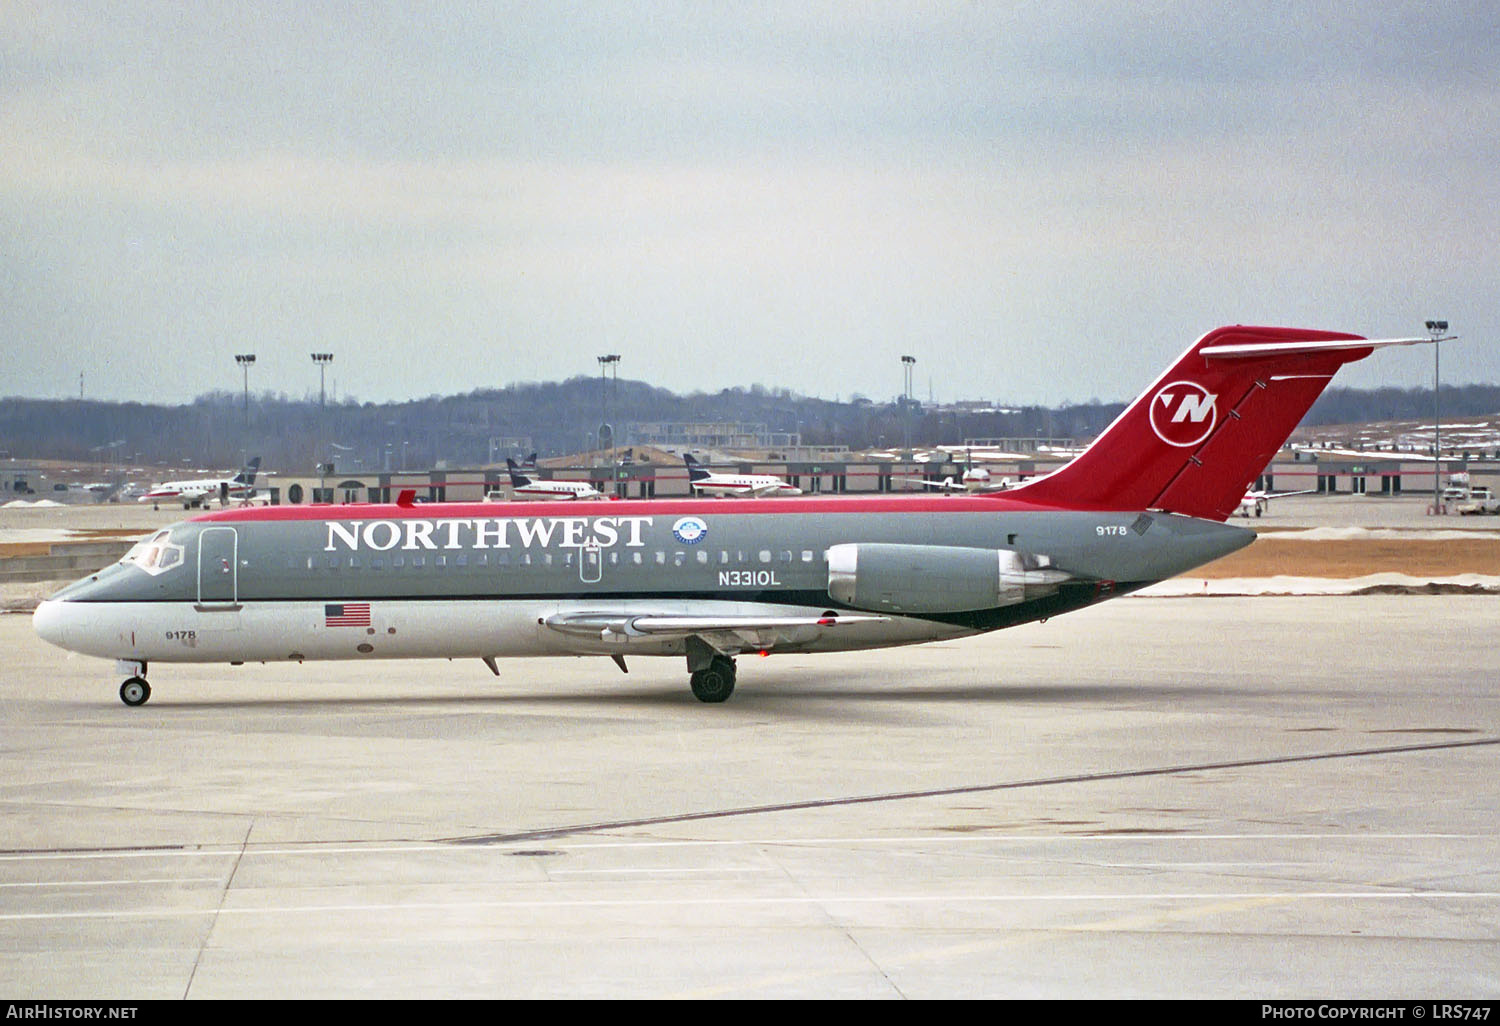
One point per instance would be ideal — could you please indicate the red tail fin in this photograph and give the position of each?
(1196, 439)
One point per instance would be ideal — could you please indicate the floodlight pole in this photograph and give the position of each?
(1437, 329)
(245, 360)
(908, 362)
(608, 362)
(322, 360)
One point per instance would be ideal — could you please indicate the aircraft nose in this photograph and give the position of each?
(50, 623)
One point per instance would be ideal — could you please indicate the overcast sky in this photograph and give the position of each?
(1039, 201)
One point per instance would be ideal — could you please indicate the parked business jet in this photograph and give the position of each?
(755, 486)
(1255, 503)
(974, 480)
(706, 581)
(201, 490)
(102, 491)
(524, 486)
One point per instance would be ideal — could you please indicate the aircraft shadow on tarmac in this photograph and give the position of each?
(792, 694)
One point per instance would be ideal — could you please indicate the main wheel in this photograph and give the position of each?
(716, 683)
(135, 691)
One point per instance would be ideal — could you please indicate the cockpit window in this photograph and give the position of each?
(155, 554)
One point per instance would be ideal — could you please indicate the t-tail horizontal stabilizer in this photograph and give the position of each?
(1193, 442)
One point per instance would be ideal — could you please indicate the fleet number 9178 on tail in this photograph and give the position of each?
(707, 580)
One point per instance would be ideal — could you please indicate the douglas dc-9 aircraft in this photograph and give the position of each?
(709, 580)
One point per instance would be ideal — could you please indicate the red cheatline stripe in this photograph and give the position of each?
(994, 503)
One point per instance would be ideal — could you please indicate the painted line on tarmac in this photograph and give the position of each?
(386, 847)
(135, 881)
(1107, 898)
(942, 792)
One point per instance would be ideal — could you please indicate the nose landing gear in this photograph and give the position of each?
(135, 690)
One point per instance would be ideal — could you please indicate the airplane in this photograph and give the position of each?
(198, 492)
(974, 479)
(102, 491)
(528, 487)
(704, 482)
(1255, 503)
(708, 581)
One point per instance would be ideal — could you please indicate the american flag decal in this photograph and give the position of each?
(347, 614)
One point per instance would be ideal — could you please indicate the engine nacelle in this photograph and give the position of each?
(936, 578)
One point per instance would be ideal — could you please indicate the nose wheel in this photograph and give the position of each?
(135, 691)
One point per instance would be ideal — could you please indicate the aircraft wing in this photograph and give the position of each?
(721, 631)
(769, 488)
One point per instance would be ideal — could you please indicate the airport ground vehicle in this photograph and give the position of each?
(1479, 501)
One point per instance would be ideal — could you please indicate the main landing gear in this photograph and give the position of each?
(135, 690)
(712, 672)
(715, 682)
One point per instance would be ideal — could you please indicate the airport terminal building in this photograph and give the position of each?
(651, 476)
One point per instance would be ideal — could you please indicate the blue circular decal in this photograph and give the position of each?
(690, 530)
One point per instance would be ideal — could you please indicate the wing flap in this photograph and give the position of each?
(638, 625)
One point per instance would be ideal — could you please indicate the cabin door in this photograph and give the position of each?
(218, 567)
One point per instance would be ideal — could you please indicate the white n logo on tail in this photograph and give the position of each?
(1183, 413)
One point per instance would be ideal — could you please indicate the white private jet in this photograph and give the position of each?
(200, 491)
(1256, 503)
(751, 486)
(974, 480)
(527, 487)
(103, 491)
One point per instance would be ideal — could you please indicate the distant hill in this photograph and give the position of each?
(1363, 406)
(292, 435)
